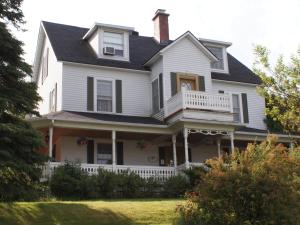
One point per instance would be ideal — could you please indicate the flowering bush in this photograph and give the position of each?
(259, 186)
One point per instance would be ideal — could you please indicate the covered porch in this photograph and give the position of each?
(160, 154)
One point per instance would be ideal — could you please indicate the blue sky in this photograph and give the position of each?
(274, 24)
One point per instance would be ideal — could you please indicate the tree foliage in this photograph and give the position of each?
(280, 86)
(259, 186)
(19, 162)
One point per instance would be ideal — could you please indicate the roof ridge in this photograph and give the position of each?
(62, 24)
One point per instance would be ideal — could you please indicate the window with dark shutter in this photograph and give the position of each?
(245, 108)
(119, 96)
(90, 94)
(90, 152)
(155, 96)
(120, 154)
(201, 82)
(161, 91)
(173, 77)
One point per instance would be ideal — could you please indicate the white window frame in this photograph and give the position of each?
(124, 44)
(113, 94)
(225, 58)
(240, 103)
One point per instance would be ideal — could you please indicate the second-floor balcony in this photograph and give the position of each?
(200, 105)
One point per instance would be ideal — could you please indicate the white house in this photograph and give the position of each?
(118, 100)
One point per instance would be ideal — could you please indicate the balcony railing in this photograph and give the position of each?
(198, 100)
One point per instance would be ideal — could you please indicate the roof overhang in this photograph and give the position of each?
(38, 52)
(193, 39)
(104, 25)
(211, 41)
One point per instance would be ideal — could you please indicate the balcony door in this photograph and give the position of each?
(187, 82)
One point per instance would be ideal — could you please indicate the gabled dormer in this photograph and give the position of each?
(219, 49)
(109, 41)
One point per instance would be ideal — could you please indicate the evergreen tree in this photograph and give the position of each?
(280, 86)
(19, 162)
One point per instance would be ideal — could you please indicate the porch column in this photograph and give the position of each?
(113, 139)
(50, 141)
(186, 147)
(219, 147)
(232, 142)
(174, 152)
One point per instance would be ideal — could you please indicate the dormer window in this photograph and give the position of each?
(219, 53)
(114, 40)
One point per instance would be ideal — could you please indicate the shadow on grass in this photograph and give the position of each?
(58, 214)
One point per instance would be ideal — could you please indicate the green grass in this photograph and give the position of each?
(89, 212)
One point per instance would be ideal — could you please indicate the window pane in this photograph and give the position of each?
(218, 52)
(114, 40)
(236, 108)
(104, 153)
(104, 95)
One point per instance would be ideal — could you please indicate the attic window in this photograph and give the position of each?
(218, 52)
(114, 40)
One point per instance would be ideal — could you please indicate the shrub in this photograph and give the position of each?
(152, 188)
(108, 184)
(70, 181)
(258, 186)
(195, 175)
(17, 185)
(131, 185)
(175, 186)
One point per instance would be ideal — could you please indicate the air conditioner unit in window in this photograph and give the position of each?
(109, 51)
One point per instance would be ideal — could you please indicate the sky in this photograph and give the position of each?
(272, 23)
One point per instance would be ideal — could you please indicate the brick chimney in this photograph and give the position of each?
(161, 26)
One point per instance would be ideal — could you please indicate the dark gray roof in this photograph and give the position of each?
(68, 46)
(93, 117)
(252, 130)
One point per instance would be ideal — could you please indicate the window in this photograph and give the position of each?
(104, 95)
(104, 153)
(155, 96)
(52, 99)
(236, 108)
(221, 92)
(218, 52)
(114, 40)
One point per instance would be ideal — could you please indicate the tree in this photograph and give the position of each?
(259, 186)
(19, 162)
(280, 86)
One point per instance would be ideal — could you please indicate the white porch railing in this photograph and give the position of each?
(157, 172)
(198, 100)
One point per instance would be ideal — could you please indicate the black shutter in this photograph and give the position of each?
(90, 94)
(161, 156)
(120, 154)
(245, 108)
(155, 97)
(173, 83)
(190, 154)
(90, 152)
(119, 96)
(161, 91)
(201, 82)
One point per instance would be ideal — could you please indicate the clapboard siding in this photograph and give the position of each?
(135, 88)
(187, 58)
(256, 104)
(54, 76)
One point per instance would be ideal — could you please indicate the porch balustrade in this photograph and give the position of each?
(157, 172)
(198, 100)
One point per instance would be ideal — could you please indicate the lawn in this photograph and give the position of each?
(89, 212)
